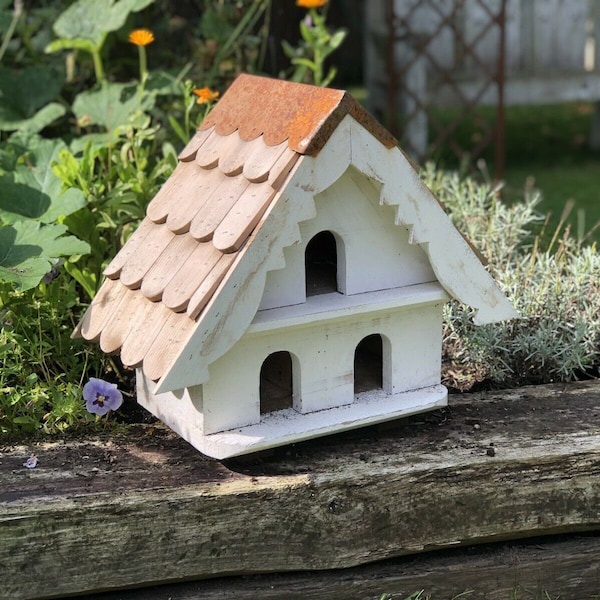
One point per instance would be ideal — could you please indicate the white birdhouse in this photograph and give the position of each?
(289, 277)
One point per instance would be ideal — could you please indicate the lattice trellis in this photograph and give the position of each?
(431, 45)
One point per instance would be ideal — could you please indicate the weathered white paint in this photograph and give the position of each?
(234, 305)
(373, 252)
(399, 260)
(287, 426)
(322, 336)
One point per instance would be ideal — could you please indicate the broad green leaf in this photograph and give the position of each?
(68, 44)
(32, 190)
(44, 117)
(111, 106)
(23, 93)
(93, 19)
(27, 249)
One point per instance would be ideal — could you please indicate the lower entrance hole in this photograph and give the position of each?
(368, 364)
(276, 384)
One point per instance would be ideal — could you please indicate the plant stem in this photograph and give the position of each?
(143, 65)
(17, 12)
(98, 68)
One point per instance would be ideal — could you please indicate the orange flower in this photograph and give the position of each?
(311, 3)
(141, 37)
(205, 95)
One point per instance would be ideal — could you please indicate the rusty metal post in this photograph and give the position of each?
(500, 125)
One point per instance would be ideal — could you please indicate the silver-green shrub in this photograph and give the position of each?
(554, 285)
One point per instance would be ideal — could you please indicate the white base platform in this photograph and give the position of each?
(288, 426)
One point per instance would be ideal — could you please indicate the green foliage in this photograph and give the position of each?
(85, 26)
(26, 98)
(555, 289)
(41, 368)
(32, 206)
(228, 41)
(317, 44)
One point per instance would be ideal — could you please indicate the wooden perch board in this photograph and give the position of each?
(107, 514)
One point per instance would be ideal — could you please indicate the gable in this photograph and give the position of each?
(373, 253)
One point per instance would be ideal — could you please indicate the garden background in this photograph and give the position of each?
(91, 122)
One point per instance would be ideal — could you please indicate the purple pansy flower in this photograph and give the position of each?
(101, 396)
(31, 462)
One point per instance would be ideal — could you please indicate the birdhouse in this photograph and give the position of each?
(288, 279)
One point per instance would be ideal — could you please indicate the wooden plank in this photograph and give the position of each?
(172, 191)
(193, 197)
(527, 89)
(166, 266)
(190, 275)
(239, 222)
(148, 508)
(232, 163)
(281, 169)
(144, 331)
(214, 148)
(261, 161)
(113, 270)
(563, 567)
(166, 348)
(189, 152)
(222, 199)
(105, 302)
(131, 310)
(139, 263)
(209, 286)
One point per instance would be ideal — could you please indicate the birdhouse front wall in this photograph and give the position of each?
(372, 252)
(323, 358)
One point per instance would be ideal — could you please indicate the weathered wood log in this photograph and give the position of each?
(563, 567)
(108, 514)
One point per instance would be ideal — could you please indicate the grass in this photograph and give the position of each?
(546, 148)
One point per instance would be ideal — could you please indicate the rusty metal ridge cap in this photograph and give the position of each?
(304, 115)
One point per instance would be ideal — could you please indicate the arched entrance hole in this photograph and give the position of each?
(276, 383)
(368, 364)
(321, 264)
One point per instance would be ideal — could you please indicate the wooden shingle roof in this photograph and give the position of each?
(227, 177)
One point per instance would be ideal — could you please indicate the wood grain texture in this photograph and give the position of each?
(106, 301)
(564, 567)
(222, 199)
(491, 467)
(209, 286)
(261, 161)
(197, 193)
(133, 309)
(190, 275)
(134, 270)
(136, 241)
(166, 265)
(189, 152)
(167, 347)
(239, 222)
(146, 328)
(233, 162)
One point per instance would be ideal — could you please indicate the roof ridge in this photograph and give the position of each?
(305, 115)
